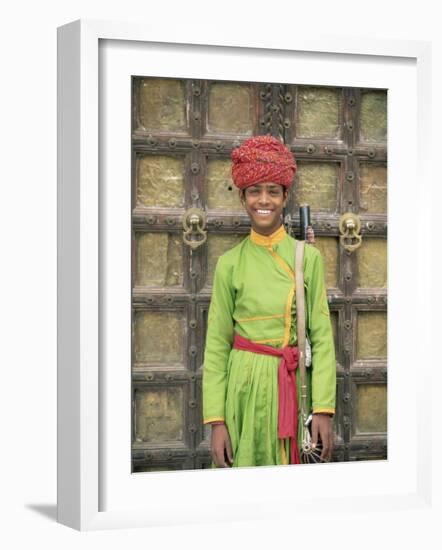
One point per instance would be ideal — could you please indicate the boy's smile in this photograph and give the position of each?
(264, 203)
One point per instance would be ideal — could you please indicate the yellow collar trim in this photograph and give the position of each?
(268, 240)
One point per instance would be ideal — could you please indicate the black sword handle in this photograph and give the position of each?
(304, 221)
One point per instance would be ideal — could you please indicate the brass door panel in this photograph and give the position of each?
(318, 112)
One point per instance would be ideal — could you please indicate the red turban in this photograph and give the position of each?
(262, 159)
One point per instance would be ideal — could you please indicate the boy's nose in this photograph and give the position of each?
(263, 198)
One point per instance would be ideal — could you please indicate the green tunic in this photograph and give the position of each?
(254, 295)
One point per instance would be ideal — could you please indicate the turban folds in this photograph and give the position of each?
(262, 159)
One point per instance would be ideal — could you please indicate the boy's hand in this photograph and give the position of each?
(221, 448)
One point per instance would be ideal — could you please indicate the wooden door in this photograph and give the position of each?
(183, 132)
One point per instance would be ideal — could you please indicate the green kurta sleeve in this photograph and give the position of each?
(320, 334)
(219, 341)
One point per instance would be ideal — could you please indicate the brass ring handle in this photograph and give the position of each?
(350, 229)
(194, 224)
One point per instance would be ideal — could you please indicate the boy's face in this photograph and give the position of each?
(264, 203)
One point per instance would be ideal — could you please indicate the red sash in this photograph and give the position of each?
(287, 393)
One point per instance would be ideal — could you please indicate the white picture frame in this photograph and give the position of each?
(86, 446)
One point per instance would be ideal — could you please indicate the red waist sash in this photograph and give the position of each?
(287, 393)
